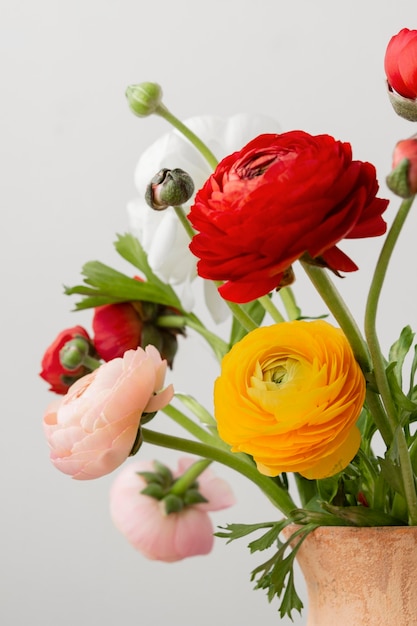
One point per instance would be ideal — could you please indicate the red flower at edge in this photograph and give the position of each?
(401, 63)
(53, 372)
(278, 199)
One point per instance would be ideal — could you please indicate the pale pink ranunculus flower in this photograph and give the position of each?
(155, 534)
(92, 429)
(160, 232)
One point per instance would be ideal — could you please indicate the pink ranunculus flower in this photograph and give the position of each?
(92, 429)
(158, 536)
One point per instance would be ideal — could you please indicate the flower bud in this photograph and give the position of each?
(169, 188)
(73, 353)
(403, 178)
(144, 99)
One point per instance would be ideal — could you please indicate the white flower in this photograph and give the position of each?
(160, 233)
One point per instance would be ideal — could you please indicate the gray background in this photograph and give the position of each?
(68, 149)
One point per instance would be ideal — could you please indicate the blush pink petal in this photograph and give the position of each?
(92, 429)
(143, 521)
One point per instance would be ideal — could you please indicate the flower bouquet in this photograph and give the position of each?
(300, 404)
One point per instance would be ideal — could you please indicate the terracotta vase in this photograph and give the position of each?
(360, 576)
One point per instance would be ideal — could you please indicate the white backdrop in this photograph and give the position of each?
(69, 145)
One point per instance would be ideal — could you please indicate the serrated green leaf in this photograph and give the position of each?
(400, 399)
(130, 248)
(291, 601)
(236, 531)
(399, 351)
(266, 540)
(110, 285)
(391, 473)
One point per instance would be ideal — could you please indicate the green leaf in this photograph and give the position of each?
(362, 516)
(130, 248)
(110, 285)
(266, 540)
(291, 601)
(399, 351)
(413, 369)
(400, 399)
(391, 473)
(195, 407)
(236, 531)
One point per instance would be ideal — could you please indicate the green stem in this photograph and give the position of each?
(91, 363)
(245, 320)
(270, 308)
(288, 300)
(372, 307)
(196, 141)
(239, 314)
(184, 221)
(188, 424)
(379, 362)
(219, 346)
(341, 313)
(279, 497)
(189, 477)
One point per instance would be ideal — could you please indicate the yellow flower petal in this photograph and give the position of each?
(289, 395)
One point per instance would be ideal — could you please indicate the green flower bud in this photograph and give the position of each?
(144, 99)
(73, 353)
(169, 188)
(398, 180)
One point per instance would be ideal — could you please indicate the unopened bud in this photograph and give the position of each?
(73, 353)
(144, 99)
(403, 178)
(169, 188)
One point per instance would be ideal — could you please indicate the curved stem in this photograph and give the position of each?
(270, 308)
(219, 346)
(188, 424)
(184, 221)
(288, 299)
(196, 141)
(381, 379)
(371, 311)
(341, 313)
(279, 497)
(189, 477)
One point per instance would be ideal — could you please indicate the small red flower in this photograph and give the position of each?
(401, 63)
(53, 372)
(407, 149)
(127, 325)
(280, 198)
(117, 328)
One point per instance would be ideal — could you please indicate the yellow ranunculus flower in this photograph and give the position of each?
(290, 395)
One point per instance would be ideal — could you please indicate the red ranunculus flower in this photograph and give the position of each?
(278, 199)
(53, 372)
(401, 63)
(117, 328)
(127, 325)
